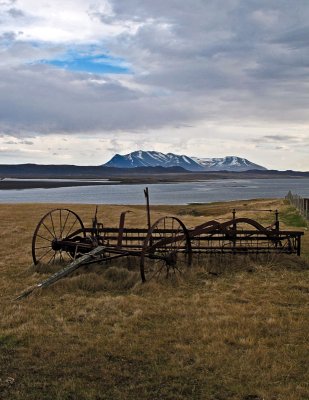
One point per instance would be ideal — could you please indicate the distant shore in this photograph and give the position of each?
(44, 184)
(50, 182)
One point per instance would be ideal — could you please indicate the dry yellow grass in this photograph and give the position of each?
(241, 333)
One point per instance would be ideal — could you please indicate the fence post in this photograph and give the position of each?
(301, 203)
(306, 208)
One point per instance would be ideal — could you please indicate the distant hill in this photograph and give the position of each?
(73, 171)
(154, 158)
(132, 175)
(229, 163)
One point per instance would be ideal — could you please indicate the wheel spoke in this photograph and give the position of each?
(43, 238)
(52, 221)
(168, 247)
(158, 272)
(44, 255)
(43, 247)
(53, 226)
(60, 224)
(71, 228)
(52, 258)
(176, 268)
(47, 229)
(65, 222)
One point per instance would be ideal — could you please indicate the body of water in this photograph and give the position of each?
(172, 193)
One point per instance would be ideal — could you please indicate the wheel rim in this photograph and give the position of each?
(59, 223)
(166, 250)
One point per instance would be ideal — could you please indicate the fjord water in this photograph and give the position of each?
(171, 193)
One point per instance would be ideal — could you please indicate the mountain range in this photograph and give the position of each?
(154, 159)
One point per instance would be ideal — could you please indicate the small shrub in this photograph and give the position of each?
(292, 217)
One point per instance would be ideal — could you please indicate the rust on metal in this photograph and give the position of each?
(164, 247)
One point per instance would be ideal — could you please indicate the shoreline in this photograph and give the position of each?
(45, 183)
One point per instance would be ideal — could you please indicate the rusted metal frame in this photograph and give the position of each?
(213, 227)
(150, 249)
(215, 232)
(222, 226)
(243, 250)
(159, 242)
(121, 228)
(192, 232)
(242, 240)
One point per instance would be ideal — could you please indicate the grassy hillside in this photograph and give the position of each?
(230, 328)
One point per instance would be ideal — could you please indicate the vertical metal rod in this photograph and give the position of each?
(277, 220)
(121, 229)
(146, 192)
(95, 223)
(234, 231)
(298, 245)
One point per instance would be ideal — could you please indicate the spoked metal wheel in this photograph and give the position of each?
(56, 225)
(166, 250)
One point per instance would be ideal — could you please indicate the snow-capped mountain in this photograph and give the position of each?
(229, 163)
(154, 158)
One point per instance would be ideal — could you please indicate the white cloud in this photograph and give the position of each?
(58, 21)
(210, 68)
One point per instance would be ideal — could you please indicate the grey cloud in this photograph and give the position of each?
(8, 36)
(15, 13)
(15, 52)
(280, 137)
(207, 45)
(285, 140)
(295, 38)
(68, 102)
(7, 3)
(221, 60)
(27, 142)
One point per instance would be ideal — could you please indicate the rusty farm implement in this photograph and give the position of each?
(163, 248)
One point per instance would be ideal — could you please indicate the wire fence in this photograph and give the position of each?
(299, 202)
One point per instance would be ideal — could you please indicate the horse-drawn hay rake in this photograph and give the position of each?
(164, 248)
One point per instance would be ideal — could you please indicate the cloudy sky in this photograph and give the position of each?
(81, 80)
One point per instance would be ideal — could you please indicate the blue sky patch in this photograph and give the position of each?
(97, 64)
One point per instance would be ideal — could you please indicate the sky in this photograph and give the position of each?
(81, 80)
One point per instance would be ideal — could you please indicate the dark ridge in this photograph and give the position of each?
(74, 171)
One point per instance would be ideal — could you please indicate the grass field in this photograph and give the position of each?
(229, 328)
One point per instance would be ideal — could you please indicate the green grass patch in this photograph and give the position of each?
(292, 217)
(190, 211)
(8, 342)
